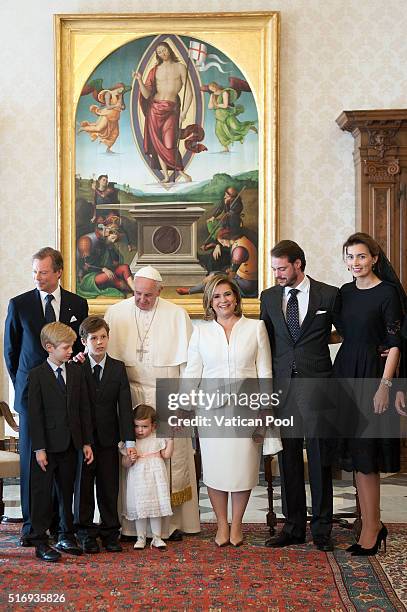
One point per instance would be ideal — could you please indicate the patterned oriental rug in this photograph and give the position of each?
(196, 575)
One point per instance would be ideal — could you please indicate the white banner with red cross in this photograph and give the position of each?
(198, 52)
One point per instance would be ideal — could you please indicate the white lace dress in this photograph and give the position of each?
(147, 490)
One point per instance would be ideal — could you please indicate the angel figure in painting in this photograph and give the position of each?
(229, 128)
(164, 114)
(106, 128)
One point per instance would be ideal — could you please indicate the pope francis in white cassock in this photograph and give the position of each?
(151, 335)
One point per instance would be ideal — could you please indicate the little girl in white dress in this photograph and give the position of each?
(147, 491)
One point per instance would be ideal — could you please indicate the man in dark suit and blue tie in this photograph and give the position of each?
(298, 313)
(27, 314)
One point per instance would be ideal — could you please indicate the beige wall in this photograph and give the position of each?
(335, 55)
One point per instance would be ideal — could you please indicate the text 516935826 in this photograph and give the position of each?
(36, 597)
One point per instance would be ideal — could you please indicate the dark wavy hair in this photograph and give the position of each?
(173, 57)
(382, 268)
(291, 250)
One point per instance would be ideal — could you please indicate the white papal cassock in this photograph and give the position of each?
(154, 344)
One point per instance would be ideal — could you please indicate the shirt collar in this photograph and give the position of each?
(54, 366)
(93, 362)
(303, 287)
(56, 294)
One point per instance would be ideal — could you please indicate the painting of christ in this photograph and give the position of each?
(169, 173)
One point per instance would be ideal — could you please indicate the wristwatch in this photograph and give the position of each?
(387, 382)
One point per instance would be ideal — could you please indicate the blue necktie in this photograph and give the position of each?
(293, 315)
(60, 379)
(49, 311)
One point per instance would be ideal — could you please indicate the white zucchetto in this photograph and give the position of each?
(149, 272)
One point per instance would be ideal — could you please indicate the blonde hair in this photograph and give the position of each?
(209, 313)
(56, 333)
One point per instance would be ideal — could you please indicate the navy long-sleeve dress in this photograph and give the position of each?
(369, 321)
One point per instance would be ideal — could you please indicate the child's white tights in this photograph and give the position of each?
(155, 523)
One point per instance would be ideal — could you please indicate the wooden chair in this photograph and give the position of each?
(198, 463)
(9, 458)
(271, 470)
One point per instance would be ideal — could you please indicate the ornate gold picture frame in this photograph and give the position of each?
(167, 151)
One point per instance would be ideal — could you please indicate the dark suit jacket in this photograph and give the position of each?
(311, 351)
(111, 406)
(22, 346)
(56, 416)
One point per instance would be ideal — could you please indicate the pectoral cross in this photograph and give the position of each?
(140, 352)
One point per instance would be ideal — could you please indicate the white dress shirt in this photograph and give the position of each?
(56, 302)
(302, 297)
(129, 443)
(54, 368)
(101, 363)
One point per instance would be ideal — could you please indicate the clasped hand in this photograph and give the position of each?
(132, 454)
(381, 399)
(400, 403)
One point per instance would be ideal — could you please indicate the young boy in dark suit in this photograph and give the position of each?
(60, 425)
(112, 421)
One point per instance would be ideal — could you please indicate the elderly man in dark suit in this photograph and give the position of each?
(298, 313)
(27, 315)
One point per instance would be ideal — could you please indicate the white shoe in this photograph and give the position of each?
(141, 542)
(157, 542)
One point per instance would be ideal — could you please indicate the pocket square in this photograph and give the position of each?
(320, 312)
(73, 318)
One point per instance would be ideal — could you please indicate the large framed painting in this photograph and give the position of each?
(167, 129)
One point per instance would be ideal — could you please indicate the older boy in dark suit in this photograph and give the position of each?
(60, 425)
(112, 421)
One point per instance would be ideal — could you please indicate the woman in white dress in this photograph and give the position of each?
(228, 346)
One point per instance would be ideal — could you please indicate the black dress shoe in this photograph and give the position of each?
(353, 547)
(324, 543)
(113, 546)
(25, 542)
(368, 552)
(90, 546)
(284, 539)
(46, 553)
(176, 536)
(69, 545)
